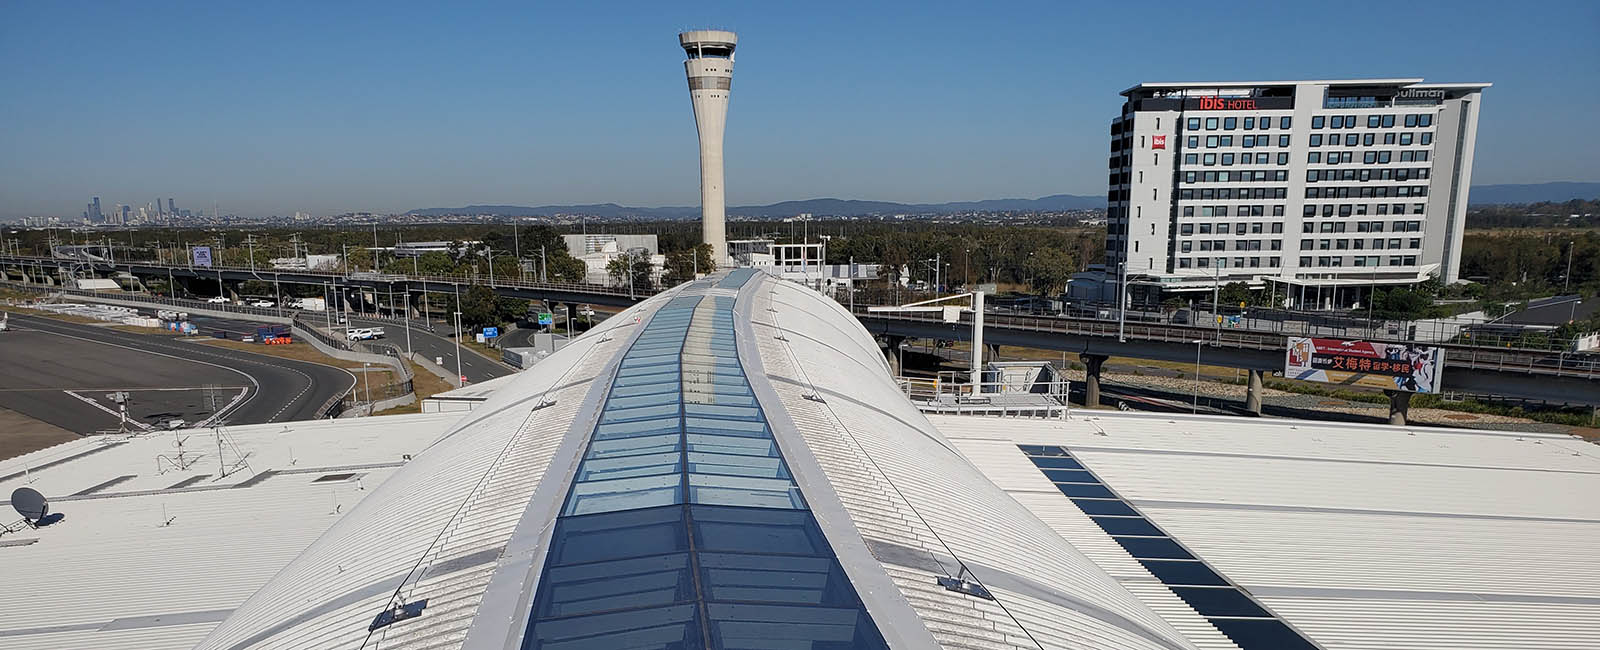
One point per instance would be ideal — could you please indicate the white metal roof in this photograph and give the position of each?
(143, 564)
(1361, 536)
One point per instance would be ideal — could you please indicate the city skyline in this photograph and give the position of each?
(272, 110)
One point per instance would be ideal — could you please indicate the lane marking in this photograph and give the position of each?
(91, 402)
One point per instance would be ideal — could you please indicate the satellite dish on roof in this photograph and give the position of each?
(30, 504)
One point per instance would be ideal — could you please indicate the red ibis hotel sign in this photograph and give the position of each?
(1222, 103)
(1158, 142)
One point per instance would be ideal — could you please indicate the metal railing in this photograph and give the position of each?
(1541, 362)
(366, 277)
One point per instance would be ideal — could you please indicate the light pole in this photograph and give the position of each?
(1216, 288)
(1195, 408)
(1122, 301)
(461, 380)
(1566, 282)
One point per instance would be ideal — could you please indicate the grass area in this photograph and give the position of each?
(426, 384)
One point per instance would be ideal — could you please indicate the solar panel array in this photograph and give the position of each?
(1235, 613)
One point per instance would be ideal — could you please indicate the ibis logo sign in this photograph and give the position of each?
(1158, 142)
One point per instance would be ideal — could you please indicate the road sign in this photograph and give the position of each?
(546, 318)
(491, 332)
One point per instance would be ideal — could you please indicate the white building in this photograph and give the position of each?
(1319, 186)
(730, 464)
(582, 244)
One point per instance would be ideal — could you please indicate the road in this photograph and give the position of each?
(475, 366)
(275, 389)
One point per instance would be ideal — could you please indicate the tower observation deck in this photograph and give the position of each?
(709, 68)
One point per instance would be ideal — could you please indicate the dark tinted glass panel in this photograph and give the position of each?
(1070, 476)
(1213, 601)
(740, 625)
(1183, 573)
(750, 530)
(1127, 526)
(622, 584)
(1159, 548)
(668, 628)
(1092, 491)
(1057, 463)
(1042, 450)
(1104, 507)
(1262, 635)
(616, 535)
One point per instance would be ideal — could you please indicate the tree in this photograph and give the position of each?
(1233, 293)
(684, 263)
(479, 308)
(1050, 269)
(619, 268)
(562, 267)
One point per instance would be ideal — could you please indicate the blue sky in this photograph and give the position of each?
(272, 107)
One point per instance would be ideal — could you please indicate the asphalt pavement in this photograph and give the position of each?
(275, 389)
(475, 366)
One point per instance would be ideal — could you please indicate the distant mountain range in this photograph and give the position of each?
(1481, 195)
(1533, 192)
(818, 207)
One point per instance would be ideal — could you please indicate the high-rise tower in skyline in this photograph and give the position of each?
(709, 68)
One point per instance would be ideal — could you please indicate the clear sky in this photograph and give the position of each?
(272, 107)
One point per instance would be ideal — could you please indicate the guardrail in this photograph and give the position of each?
(1541, 362)
(362, 277)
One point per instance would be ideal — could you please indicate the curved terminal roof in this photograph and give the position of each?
(724, 464)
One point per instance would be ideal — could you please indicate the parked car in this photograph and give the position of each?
(358, 334)
(217, 300)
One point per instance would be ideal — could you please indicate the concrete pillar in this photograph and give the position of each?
(1252, 396)
(891, 351)
(1091, 379)
(1399, 406)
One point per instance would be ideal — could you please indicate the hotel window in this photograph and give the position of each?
(1230, 123)
(1411, 121)
(1227, 141)
(1186, 229)
(1262, 159)
(1283, 140)
(1186, 246)
(1194, 124)
(1249, 123)
(1283, 123)
(1183, 263)
(1248, 141)
(1351, 139)
(1316, 122)
(1373, 121)
(1425, 119)
(1369, 158)
(1205, 229)
(1427, 138)
(1337, 122)
(1227, 159)
(1388, 121)
(1283, 158)
(1316, 139)
(1211, 141)
(1211, 124)
(1277, 211)
(1188, 177)
(1209, 160)
(1366, 140)
(1309, 211)
(1188, 211)
(1191, 158)
(1388, 138)
(1405, 139)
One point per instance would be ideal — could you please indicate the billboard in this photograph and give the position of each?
(202, 256)
(1393, 366)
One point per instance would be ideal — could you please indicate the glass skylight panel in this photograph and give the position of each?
(682, 450)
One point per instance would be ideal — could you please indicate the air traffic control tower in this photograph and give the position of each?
(710, 70)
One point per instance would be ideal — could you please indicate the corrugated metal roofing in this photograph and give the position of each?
(1361, 536)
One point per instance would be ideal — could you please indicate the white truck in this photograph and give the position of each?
(309, 304)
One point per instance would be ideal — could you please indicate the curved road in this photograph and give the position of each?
(279, 390)
(476, 367)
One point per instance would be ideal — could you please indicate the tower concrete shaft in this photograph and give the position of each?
(709, 67)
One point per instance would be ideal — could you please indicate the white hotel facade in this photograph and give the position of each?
(1324, 188)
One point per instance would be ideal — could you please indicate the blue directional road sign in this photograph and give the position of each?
(491, 332)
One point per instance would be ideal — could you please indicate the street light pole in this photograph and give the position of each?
(1195, 408)
(460, 378)
(1122, 302)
